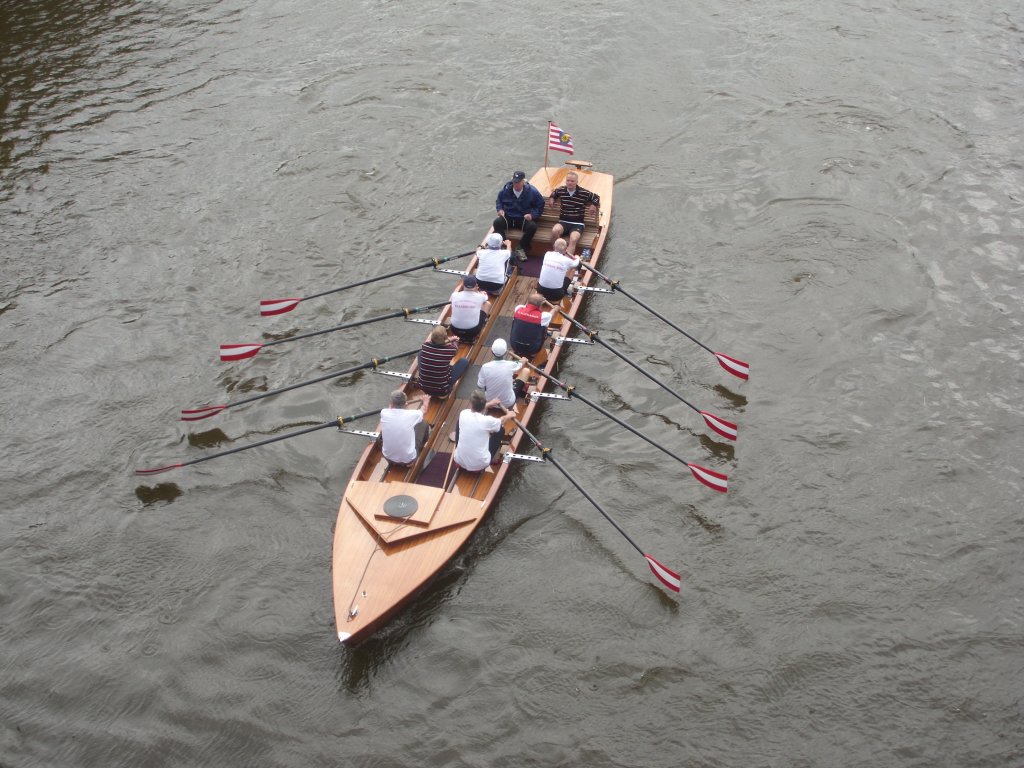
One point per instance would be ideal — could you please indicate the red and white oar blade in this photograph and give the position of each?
(714, 480)
(725, 428)
(238, 351)
(197, 414)
(158, 470)
(666, 576)
(734, 366)
(270, 307)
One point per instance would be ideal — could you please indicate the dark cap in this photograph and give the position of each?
(518, 176)
(469, 282)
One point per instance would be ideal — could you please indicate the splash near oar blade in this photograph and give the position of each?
(197, 414)
(714, 480)
(668, 577)
(230, 352)
(725, 428)
(732, 365)
(270, 307)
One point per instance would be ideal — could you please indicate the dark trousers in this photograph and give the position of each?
(470, 334)
(458, 368)
(502, 225)
(554, 294)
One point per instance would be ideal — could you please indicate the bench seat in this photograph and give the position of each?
(548, 220)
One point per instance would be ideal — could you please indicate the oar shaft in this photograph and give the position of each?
(396, 273)
(546, 452)
(617, 287)
(268, 441)
(333, 423)
(590, 498)
(571, 391)
(372, 364)
(632, 363)
(404, 312)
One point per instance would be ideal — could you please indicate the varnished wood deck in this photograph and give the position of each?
(380, 561)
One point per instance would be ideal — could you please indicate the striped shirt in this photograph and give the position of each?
(574, 205)
(435, 371)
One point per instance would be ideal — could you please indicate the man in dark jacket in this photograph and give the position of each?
(519, 205)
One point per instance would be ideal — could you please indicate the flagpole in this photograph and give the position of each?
(547, 145)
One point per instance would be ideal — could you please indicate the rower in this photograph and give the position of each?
(556, 272)
(529, 325)
(403, 431)
(477, 436)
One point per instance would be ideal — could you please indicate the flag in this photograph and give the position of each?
(559, 140)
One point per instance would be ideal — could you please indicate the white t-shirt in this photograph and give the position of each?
(495, 380)
(473, 451)
(552, 271)
(491, 264)
(397, 430)
(466, 307)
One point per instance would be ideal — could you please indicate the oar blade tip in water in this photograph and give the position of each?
(229, 352)
(725, 428)
(270, 307)
(736, 367)
(716, 481)
(666, 576)
(197, 414)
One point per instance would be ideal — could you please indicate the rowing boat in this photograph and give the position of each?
(397, 526)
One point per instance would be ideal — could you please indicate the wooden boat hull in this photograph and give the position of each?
(397, 527)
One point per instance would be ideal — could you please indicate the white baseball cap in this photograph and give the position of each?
(499, 348)
(494, 240)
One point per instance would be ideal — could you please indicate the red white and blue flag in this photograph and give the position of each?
(559, 140)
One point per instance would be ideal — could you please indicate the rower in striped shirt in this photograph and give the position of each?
(575, 201)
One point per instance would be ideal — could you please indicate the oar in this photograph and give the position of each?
(280, 306)
(666, 576)
(206, 411)
(333, 423)
(242, 351)
(714, 480)
(734, 366)
(725, 428)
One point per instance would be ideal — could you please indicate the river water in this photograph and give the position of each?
(829, 190)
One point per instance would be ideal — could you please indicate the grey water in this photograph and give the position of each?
(831, 191)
